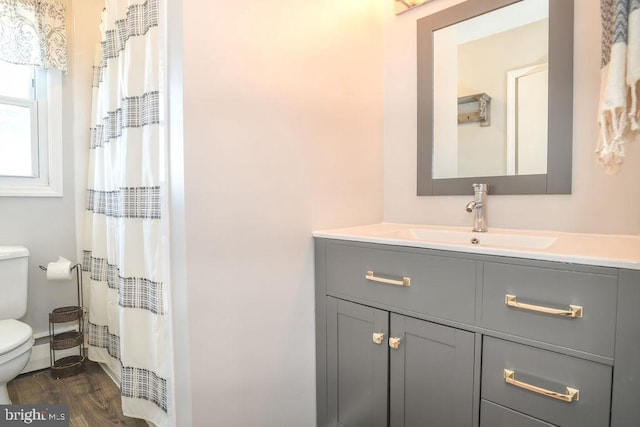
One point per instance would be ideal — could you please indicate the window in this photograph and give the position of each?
(30, 131)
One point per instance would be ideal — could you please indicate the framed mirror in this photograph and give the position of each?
(495, 97)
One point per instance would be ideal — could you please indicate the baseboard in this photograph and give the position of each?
(110, 373)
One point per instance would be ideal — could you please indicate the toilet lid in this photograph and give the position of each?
(12, 334)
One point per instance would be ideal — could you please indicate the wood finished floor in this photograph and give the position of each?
(93, 399)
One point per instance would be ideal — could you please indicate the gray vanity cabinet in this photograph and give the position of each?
(485, 341)
(593, 332)
(357, 376)
(381, 368)
(549, 370)
(426, 379)
(493, 415)
(431, 374)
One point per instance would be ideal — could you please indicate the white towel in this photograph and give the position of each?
(620, 72)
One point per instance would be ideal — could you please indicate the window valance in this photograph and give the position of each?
(33, 32)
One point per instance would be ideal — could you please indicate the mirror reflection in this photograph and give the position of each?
(512, 110)
(490, 93)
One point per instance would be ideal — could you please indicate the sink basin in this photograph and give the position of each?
(459, 237)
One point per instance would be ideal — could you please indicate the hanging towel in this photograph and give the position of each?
(620, 72)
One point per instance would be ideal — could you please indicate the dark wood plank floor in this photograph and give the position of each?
(93, 399)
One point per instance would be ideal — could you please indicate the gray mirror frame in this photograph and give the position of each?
(557, 180)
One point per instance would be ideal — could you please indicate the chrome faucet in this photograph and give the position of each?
(480, 206)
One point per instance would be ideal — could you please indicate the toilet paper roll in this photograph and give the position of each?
(59, 270)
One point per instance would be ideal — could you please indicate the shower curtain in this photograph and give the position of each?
(124, 249)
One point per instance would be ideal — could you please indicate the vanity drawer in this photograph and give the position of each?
(440, 286)
(549, 371)
(492, 415)
(537, 289)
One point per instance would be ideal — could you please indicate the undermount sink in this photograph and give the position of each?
(460, 237)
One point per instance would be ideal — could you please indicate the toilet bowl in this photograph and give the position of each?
(16, 338)
(16, 341)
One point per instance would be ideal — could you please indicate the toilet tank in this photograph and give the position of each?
(14, 263)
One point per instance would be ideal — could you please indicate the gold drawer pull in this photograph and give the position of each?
(406, 281)
(574, 310)
(571, 395)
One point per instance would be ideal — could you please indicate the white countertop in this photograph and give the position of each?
(606, 250)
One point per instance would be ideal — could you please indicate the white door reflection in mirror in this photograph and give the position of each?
(474, 57)
(527, 128)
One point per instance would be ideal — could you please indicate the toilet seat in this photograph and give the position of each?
(15, 338)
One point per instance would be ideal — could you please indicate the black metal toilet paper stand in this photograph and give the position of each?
(73, 364)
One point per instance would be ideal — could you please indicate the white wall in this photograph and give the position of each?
(599, 203)
(86, 35)
(283, 126)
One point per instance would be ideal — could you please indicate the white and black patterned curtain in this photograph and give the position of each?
(32, 32)
(123, 251)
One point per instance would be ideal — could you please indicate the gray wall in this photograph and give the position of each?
(46, 226)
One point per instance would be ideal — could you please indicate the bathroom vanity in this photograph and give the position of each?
(421, 326)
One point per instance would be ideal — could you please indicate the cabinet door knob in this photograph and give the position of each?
(378, 337)
(394, 342)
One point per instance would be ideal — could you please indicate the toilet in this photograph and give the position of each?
(16, 338)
